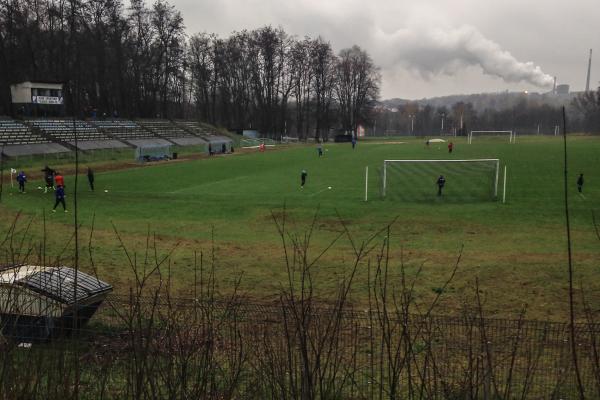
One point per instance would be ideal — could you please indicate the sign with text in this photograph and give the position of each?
(47, 100)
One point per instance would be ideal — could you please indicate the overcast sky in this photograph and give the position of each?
(431, 48)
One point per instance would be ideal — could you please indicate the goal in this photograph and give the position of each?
(511, 135)
(416, 180)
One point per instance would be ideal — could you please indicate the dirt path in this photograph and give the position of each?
(118, 165)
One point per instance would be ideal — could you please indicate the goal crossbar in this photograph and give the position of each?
(511, 135)
(491, 131)
(471, 160)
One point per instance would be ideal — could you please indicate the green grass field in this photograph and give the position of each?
(517, 251)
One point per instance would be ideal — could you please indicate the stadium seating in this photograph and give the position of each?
(64, 130)
(46, 136)
(15, 133)
(174, 133)
(164, 128)
(124, 129)
(195, 127)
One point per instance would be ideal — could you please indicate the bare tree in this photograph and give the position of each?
(357, 86)
(587, 104)
(169, 49)
(302, 80)
(323, 62)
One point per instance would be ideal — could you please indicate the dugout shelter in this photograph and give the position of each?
(219, 145)
(153, 152)
(38, 303)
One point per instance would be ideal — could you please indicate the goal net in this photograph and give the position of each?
(510, 135)
(416, 180)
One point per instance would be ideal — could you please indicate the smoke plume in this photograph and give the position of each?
(426, 37)
(430, 51)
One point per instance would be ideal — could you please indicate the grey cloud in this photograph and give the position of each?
(431, 47)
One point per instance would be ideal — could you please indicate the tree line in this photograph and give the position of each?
(587, 107)
(138, 61)
(527, 115)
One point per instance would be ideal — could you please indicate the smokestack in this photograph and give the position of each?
(554, 87)
(587, 83)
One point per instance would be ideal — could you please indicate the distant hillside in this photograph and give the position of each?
(482, 101)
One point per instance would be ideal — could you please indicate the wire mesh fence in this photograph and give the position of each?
(161, 347)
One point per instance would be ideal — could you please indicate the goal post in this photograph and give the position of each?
(511, 135)
(416, 180)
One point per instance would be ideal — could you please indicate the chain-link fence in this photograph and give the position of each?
(179, 348)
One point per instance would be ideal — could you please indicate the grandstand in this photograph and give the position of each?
(57, 135)
(216, 144)
(88, 136)
(13, 132)
(17, 139)
(168, 130)
(130, 132)
(194, 127)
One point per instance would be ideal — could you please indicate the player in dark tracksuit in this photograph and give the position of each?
(60, 198)
(48, 177)
(22, 178)
(303, 178)
(441, 182)
(580, 183)
(90, 175)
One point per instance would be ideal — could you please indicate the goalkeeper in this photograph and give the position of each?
(441, 182)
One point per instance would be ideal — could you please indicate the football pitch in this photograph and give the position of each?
(516, 251)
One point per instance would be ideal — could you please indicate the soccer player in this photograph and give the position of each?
(60, 198)
(441, 182)
(48, 177)
(22, 178)
(59, 180)
(303, 178)
(320, 149)
(580, 183)
(90, 175)
(353, 142)
(427, 143)
(450, 147)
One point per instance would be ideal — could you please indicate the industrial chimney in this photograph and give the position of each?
(554, 87)
(587, 83)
